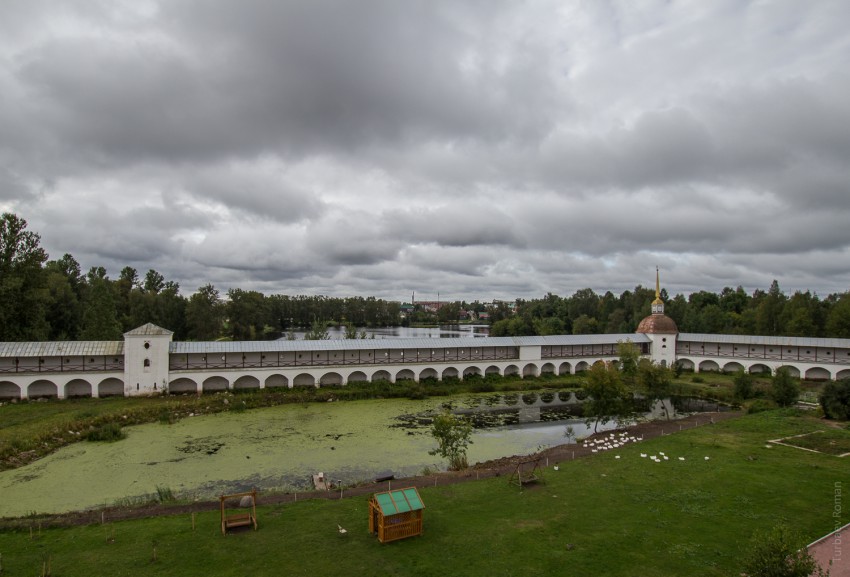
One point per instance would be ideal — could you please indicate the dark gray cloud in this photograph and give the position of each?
(479, 149)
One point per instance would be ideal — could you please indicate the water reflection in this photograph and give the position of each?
(511, 410)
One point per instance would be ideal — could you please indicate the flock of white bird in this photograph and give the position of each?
(612, 441)
(617, 440)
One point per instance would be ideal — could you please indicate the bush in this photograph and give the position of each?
(760, 405)
(697, 379)
(835, 400)
(417, 392)
(483, 387)
(164, 494)
(779, 553)
(108, 433)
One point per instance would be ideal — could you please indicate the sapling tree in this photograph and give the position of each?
(743, 382)
(318, 332)
(608, 397)
(785, 389)
(654, 379)
(629, 359)
(453, 434)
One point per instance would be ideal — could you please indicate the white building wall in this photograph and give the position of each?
(530, 353)
(663, 349)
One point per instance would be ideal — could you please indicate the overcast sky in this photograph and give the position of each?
(482, 149)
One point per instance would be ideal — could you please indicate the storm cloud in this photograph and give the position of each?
(480, 149)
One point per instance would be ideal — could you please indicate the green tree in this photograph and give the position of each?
(838, 320)
(247, 314)
(154, 282)
(453, 435)
(171, 309)
(628, 362)
(548, 326)
(125, 285)
(516, 326)
(350, 331)
(65, 285)
(608, 397)
(448, 313)
(779, 553)
(769, 311)
(734, 301)
(499, 311)
(318, 332)
(585, 325)
(24, 295)
(100, 317)
(742, 385)
(654, 380)
(801, 316)
(786, 389)
(584, 302)
(204, 314)
(835, 400)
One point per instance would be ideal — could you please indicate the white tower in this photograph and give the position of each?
(146, 360)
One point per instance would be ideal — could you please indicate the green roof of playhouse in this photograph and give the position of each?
(399, 501)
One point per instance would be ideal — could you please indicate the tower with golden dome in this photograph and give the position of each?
(660, 329)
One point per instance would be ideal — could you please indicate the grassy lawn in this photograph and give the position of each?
(595, 516)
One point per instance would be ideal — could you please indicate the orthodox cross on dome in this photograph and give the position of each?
(657, 304)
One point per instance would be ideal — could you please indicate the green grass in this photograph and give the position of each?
(623, 516)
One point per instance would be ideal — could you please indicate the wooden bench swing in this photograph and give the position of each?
(527, 471)
(241, 519)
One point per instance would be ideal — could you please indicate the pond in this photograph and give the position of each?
(279, 448)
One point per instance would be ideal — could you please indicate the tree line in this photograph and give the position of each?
(732, 311)
(54, 300)
(42, 299)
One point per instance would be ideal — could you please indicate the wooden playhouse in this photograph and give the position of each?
(395, 515)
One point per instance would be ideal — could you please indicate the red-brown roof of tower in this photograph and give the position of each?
(658, 323)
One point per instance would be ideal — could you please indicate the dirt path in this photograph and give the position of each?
(500, 467)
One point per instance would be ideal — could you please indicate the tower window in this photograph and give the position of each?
(147, 362)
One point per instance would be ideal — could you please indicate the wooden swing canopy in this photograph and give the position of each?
(244, 518)
(527, 471)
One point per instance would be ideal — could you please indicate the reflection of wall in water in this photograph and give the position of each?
(513, 409)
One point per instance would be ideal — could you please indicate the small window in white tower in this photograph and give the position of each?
(147, 363)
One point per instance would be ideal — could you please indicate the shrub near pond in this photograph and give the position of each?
(108, 432)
